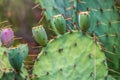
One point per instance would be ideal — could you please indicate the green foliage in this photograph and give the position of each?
(72, 56)
(55, 7)
(60, 23)
(83, 20)
(12, 75)
(6, 71)
(40, 35)
(16, 56)
(104, 23)
(110, 78)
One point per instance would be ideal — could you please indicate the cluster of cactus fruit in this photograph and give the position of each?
(98, 18)
(86, 45)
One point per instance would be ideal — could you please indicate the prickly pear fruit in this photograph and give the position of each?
(84, 20)
(60, 23)
(40, 35)
(7, 37)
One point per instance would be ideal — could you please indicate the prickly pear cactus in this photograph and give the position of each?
(12, 75)
(60, 23)
(16, 56)
(6, 71)
(109, 78)
(4, 64)
(40, 35)
(84, 21)
(7, 37)
(72, 56)
(55, 7)
(105, 24)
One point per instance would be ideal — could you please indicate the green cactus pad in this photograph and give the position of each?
(16, 56)
(72, 56)
(11, 75)
(109, 78)
(24, 50)
(6, 71)
(40, 35)
(4, 63)
(105, 24)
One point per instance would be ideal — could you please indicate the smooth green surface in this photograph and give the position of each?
(72, 56)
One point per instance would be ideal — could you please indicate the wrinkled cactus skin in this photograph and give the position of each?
(40, 35)
(7, 37)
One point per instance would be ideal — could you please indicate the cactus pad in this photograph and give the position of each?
(16, 56)
(6, 71)
(72, 56)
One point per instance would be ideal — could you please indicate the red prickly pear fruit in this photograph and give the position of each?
(7, 37)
